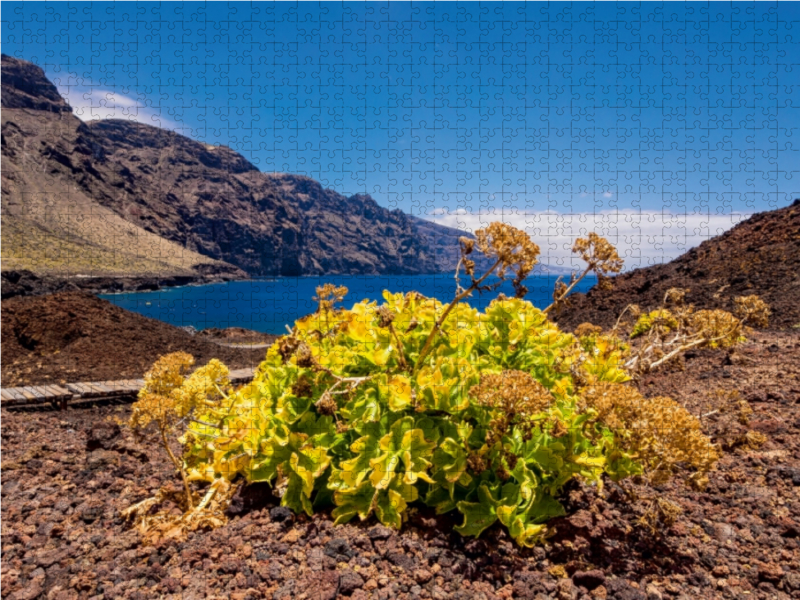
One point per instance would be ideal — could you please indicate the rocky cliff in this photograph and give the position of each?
(116, 197)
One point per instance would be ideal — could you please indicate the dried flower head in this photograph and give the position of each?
(326, 405)
(476, 463)
(155, 401)
(599, 254)
(587, 330)
(559, 291)
(752, 310)
(305, 359)
(659, 432)
(467, 245)
(512, 392)
(385, 316)
(515, 395)
(302, 388)
(328, 295)
(659, 514)
(287, 346)
(512, 247)
(675, 296)
(719, 327)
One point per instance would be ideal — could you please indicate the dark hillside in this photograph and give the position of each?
(758, 256)
(73, 336)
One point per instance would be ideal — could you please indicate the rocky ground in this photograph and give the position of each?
(74, 336)
(66, 476)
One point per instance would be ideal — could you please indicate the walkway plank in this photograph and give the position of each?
(89, 390)
(34, 394)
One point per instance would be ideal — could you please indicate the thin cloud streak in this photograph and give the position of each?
(642, 238)
(91, 104)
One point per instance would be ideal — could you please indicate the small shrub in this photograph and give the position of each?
(374, 407)
(665, 334)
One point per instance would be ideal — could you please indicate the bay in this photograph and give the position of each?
(270, 304)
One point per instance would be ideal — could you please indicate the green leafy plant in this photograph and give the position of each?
(490, 414)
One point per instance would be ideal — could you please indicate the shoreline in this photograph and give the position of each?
(20, 282)
(26, 283)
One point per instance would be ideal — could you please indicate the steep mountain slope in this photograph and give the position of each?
(51, 224)
(758, 256)
(116, 195)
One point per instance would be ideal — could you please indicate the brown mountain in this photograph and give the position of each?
(760, 255)
(51, 223)
(116, 197)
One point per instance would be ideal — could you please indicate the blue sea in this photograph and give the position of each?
(270, 304)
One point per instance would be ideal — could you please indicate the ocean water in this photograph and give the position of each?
(270, 304)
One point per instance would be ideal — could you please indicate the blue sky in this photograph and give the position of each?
(658, 123)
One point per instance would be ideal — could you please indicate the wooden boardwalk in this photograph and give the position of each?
(64, 394)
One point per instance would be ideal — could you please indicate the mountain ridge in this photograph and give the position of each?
(185, 207)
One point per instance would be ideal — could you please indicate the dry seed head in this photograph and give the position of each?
(658, 431)
(502, 473)
(604, 282)
(511, 459)
(329, 294)
(599, 254)
(511, 246)
(303, 355)
(559, 290)
(469, 266)
(513, 392)
(754, 440)
(587, 330)
(752, 310)
(302, 388)
(476, 463)
(717, 325)
(675, 296)
(326, 405)
(287, 346)
(559, 429)
(660, 513)
(385, 316)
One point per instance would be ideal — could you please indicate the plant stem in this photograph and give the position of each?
(400, 350)
(429, 342)
(178, 466)
(569, 289)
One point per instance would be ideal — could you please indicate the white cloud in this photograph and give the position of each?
(92, 103)
(642, 238)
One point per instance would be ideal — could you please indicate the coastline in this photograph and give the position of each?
(26, 283)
